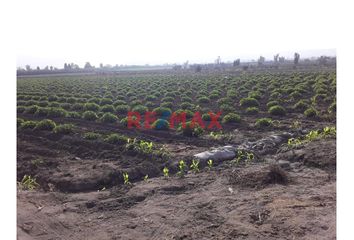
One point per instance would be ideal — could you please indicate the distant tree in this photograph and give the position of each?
(51, 68)
(261, 60)
(46, 68)
(87, 65)
(281, 59)
(28, 68)
(101, 65)
(276, 58)
(65, 66)
(296, 58)
(236, 62)
(38, 68)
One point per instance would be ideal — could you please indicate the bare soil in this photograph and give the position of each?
(82, 195)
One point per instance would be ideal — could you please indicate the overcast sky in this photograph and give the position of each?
(158, 32)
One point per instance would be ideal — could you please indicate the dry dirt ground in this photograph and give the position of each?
(245, 201)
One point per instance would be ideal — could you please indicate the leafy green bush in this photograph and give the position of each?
(45, 125)
(77, 107)
(189, 130)
(301, 106)
(31, 109)
(167, 104)
(105, 101)
(231, 118)
(162, 111)
(277, 110)
(89, 115)
(107, 108)
(116, 139)
(92, 136)
(109, 118)
(41, 112)
(227, 108)
(28, 125)
(161, 124)
(91, 107)
(203, 100)
(272, 103)
(186, 105)
(249, 102)
(64, 129)
(20, 121)
(140, 109)
(75, 115)
(123, 109)
(252, 110)
(264, 122)
(332, 108)
(56, 112)
(311, 112)
(206, 117)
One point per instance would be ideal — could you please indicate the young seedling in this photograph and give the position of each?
(126, 178)
(165, 172)
(146, 177)
(28, 183)
(250, 157)
(312, 136)
(240, 156)
(210, 163)
(182, 166)
(195, 166)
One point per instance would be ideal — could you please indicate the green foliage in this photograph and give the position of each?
(210, 164)
(20, 121)
(56, 112)
(195, 165)
(277, 110)
(28, 125)
(109, 118)
(126, 179)
(45, 125)
(182, 166)
(28, 183)
(91, 107)
(122, 109)
(92, 136)
(191, 131)
(31, 109)
(116, 139)
(231, 118)
(332, 108)
(249, 102)
(161, 124)
(206, 117)
(64, 129)
(203, 100)
(252, 110)
(140, 109)
(107, 109)
(162, 111)
(311, 113)
(264, 123)
(165, 171)
(90, 116)
(301, 106)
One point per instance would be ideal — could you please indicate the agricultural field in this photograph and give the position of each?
(267, 172)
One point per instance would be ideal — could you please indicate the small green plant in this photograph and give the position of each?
(126, 178)
(116, 139)
(36, 162)
(92, 136)
(210, 164)
(231, 118)
(182, 166)
(329, 131)
(264, 123)
(28, 183)
(294, 142)
(312, 135)
(64, 129)
(311, 113)
(146, 177)
(250, 157)
(165, 172)
(195, 165)
(109, 118)
(46, 125)
(89, 116)
(215, 135)
(277, 110)
(28, 125)
(296, 125)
